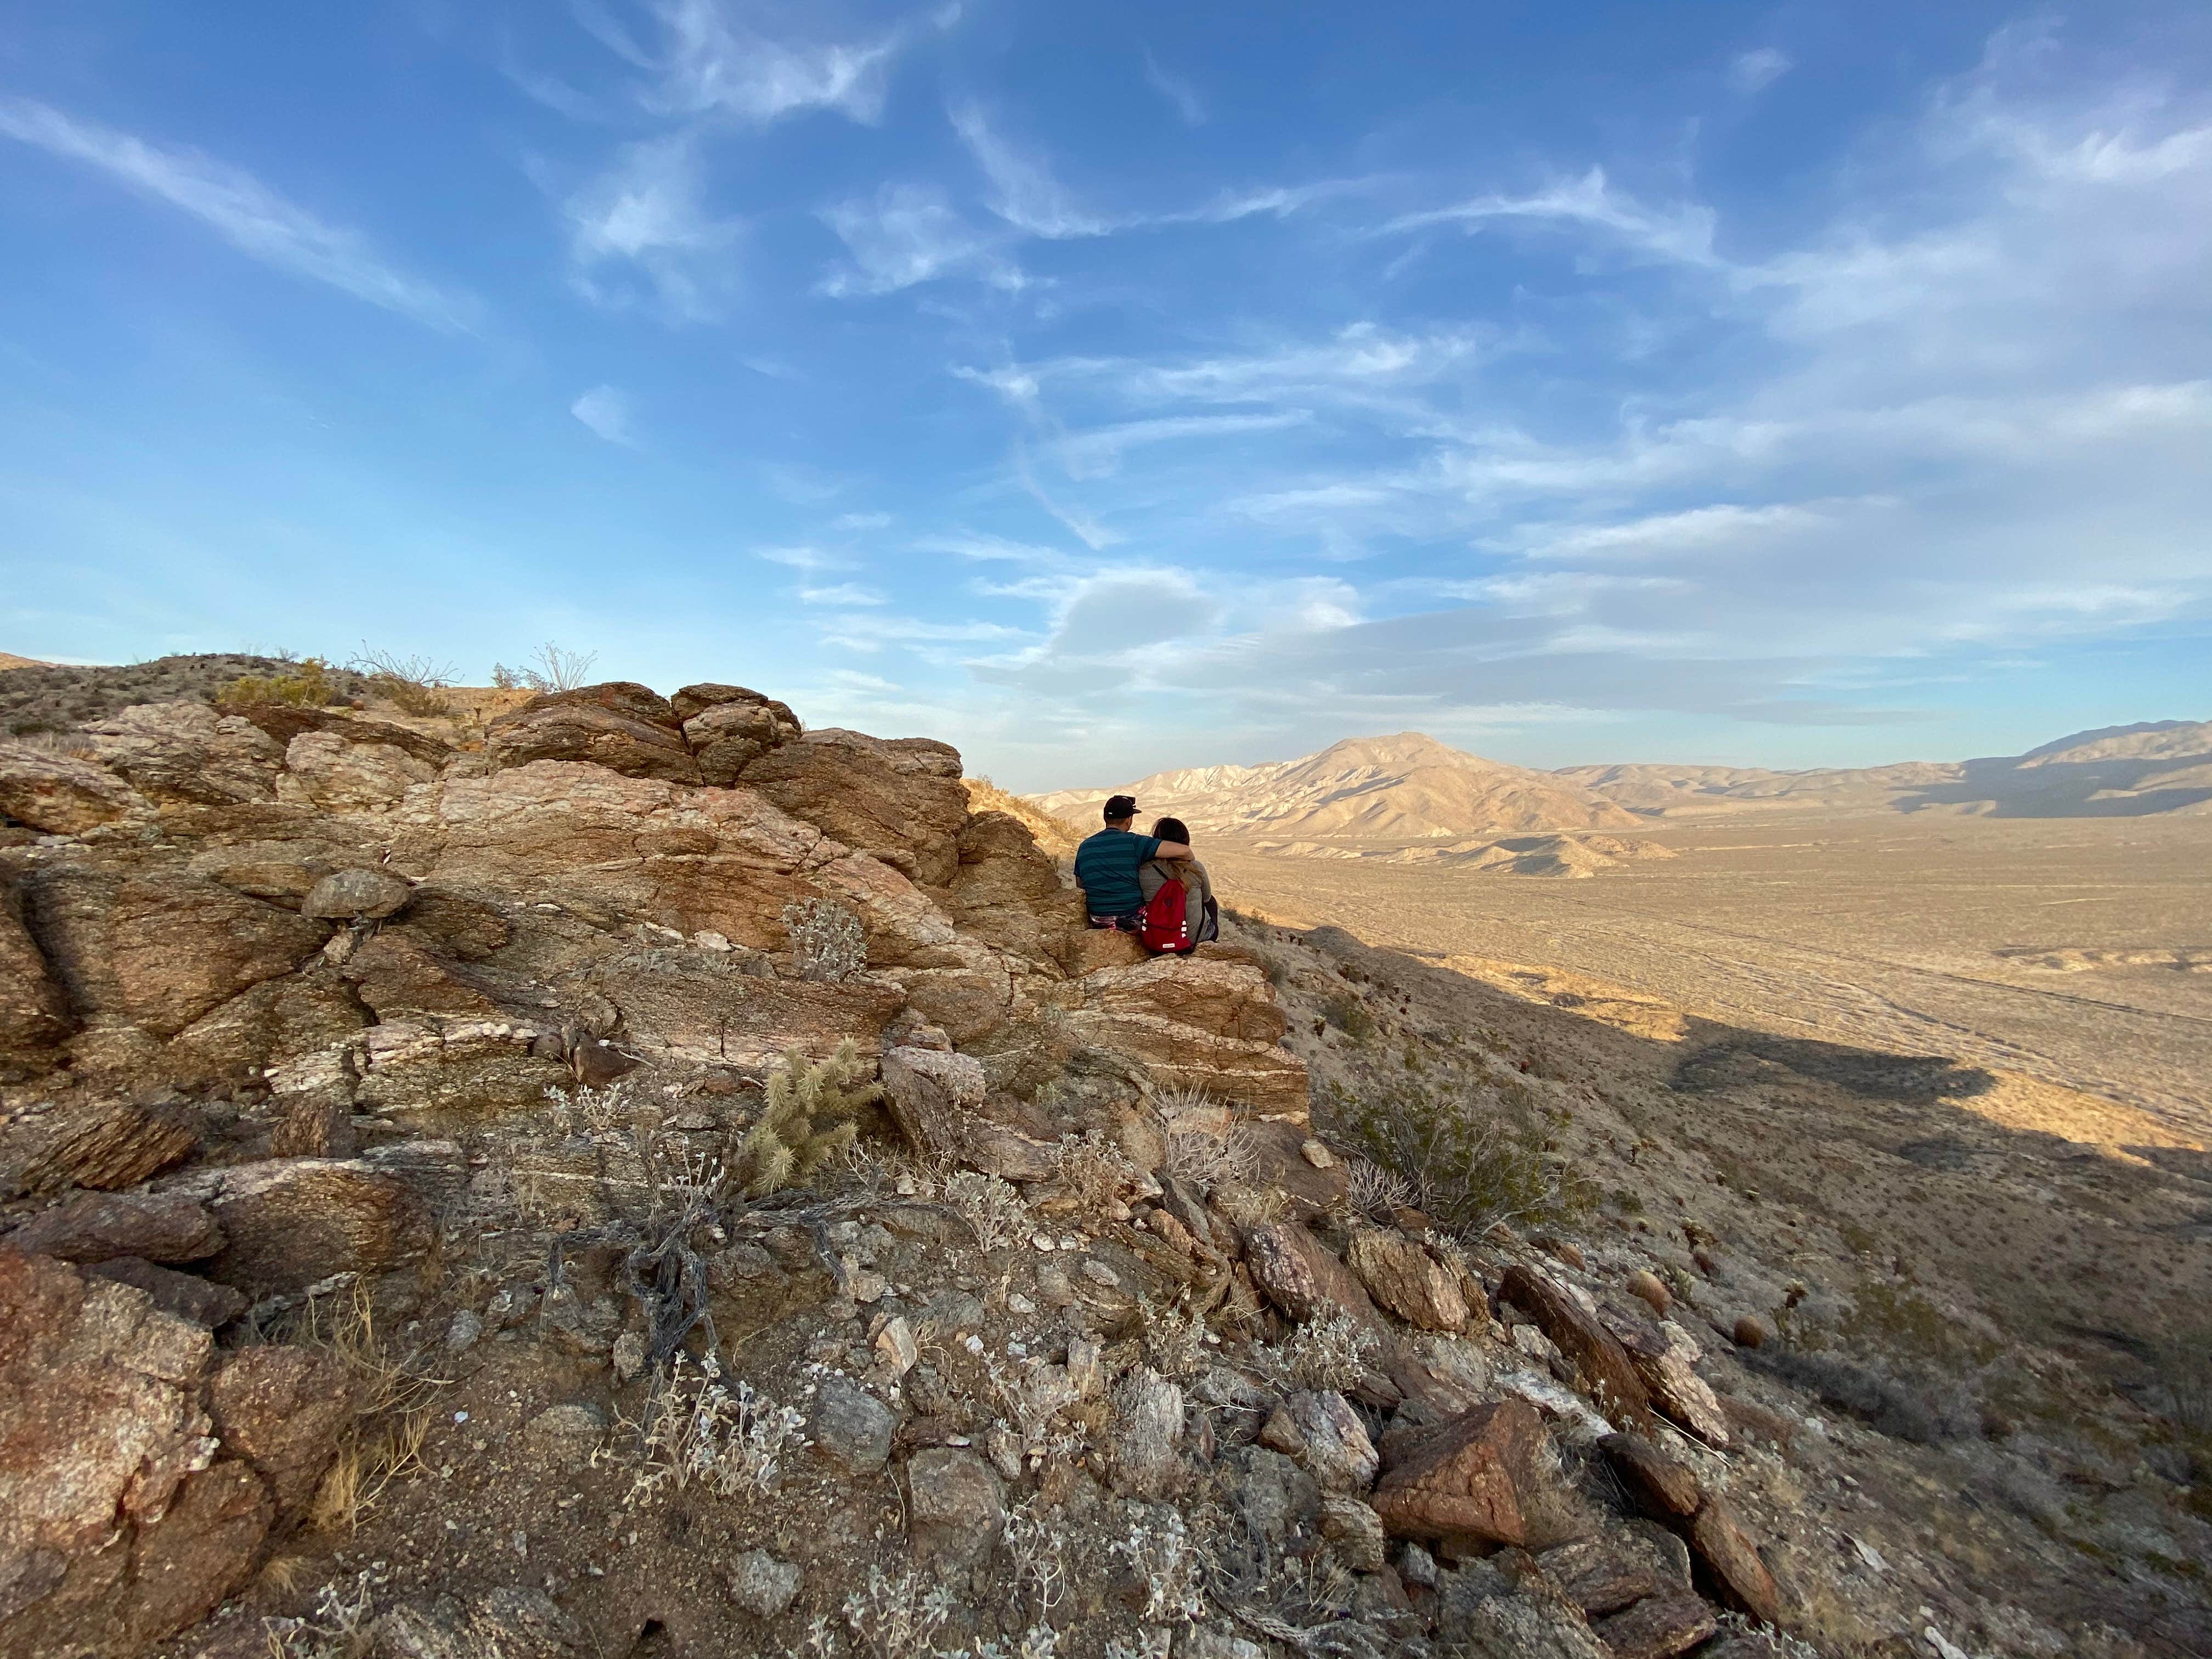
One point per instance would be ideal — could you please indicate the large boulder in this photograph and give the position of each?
(1607, 1375)
(1461, 1480)
(1212, 1026)
(34, 1014)
(1296, 1272)
(188, 752)
(729, 727)
(280, 1409)
(623, 727)
(1407, 1280)
(59, 794)
(612, 850)
(100, 1226)
(322, 768)
(105, 1142)
(285, 722)
(119, 1524)
(291, 1223)
(1008, 890)
(700, 1007)
(899, 800)
(1222, 998)
(941, 1103)
(156, 947)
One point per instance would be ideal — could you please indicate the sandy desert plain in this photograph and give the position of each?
(2075, 951)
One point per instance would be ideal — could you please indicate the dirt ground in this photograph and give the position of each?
(2070, 951)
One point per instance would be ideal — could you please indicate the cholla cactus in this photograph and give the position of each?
(813, 1111)
(826, 940)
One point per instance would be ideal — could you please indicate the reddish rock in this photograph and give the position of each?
(1659, 1626)
(156, 947)
(729, 727)
(901, 801)
(1608, 1376)
(114, 1528)
(1296, 1272)
(100, 1226)
(104, 1145)
(1461, 1479)
(1668, 1491)
(621, 725)
(1665, 1359)
(34, 1013)
(188, 751)
(59, 794)
(184, 1565)
(293, 1222)
(1407, 1280)
(1331, 1440)
(186, 1295)
(280, 1408)
(1728, 1556)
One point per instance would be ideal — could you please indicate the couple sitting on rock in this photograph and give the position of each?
(1149, 885)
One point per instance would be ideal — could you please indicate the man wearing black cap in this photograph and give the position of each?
(1106, 867)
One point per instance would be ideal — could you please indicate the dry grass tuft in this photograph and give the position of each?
(390, 1403)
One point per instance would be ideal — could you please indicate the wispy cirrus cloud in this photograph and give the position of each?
(1759, 68)
(641, 228)
(1182, 96)
(1682, 232)
(717, 58)
(908, 234)
(606, 412)
(241, 210)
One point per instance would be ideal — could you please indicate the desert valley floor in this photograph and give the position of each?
(2077, 952)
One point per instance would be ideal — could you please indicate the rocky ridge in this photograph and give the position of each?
(371, 1125)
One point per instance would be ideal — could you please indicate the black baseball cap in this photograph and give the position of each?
(1121, 806)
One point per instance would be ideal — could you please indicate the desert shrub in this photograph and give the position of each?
(992, 1208)
(1376, 1192)
(1903, 1408)
(701, 1430)
(1350, 1017)
(1329, 1353)
(307, 686)
(1209, 1162)
(811, 1111)
(1464, 1163)
(1175, 1343)
(2183, 1362)
(1093, 1167)
(1249, 1205)
(342, 1626)
(1038, 1560)
(1158, 1550)
(414, 684)
(827, 942)
(549, 668)
(897, 1618)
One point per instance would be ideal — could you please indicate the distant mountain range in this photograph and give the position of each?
(1404, 787)
(1410, 787)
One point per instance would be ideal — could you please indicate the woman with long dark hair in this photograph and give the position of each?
(1203, 914)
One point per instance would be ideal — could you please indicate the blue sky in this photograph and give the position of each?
(1108, 387)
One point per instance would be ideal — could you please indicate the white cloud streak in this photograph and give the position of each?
(606, 412)
(241, 210)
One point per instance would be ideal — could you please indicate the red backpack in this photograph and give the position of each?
(1163, 925)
